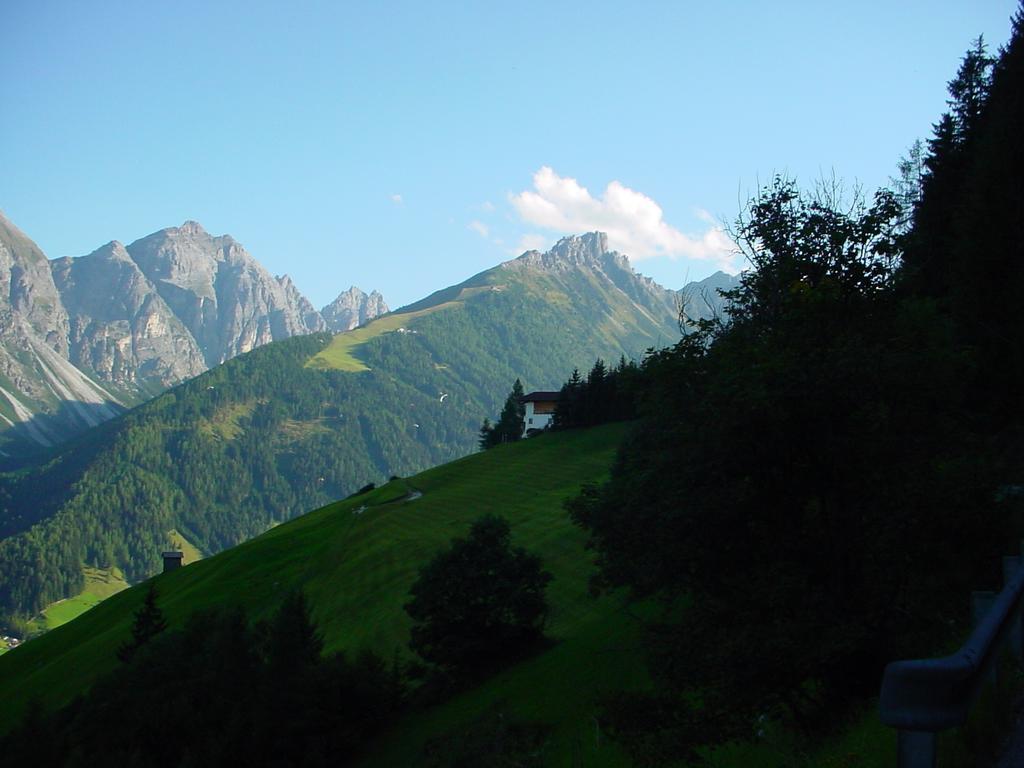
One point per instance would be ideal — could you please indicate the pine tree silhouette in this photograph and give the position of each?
(149, 622)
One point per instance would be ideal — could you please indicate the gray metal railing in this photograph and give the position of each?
(922, 697)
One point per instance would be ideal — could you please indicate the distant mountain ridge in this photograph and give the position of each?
(82, 337)
(352, 308)
(298, 423)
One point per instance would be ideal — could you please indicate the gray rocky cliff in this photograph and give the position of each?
(43, 397)
(27, 288)
(306, 311)
(120, 328)
(353, 308)
(225, 298)
(589, 252)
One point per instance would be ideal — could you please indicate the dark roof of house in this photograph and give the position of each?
(540, 396)
(178, 555)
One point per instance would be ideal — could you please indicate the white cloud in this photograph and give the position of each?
(396, 199)
(479, 227)
(487, 206)
(531, 242)
(635, 223)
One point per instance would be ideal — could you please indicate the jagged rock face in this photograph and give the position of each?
(43, 397)
(27, 289)
(225, 298)
(352, 308)
(307, 312)
(589, 252)
(120, 327)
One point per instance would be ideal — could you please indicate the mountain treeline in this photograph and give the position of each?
(819, 479)
(605, 395)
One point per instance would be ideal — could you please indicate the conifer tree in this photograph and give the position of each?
(568, 412)
(487, 435)
(510, 423)
(293, 642)
(149, 622)
(970, 88)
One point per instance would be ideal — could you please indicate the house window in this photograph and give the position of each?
(529, 421)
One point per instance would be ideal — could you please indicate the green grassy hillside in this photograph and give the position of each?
(356, 560)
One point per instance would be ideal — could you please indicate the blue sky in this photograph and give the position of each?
(407, 146)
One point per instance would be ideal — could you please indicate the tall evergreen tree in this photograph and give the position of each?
(969, 90)
(510, 424)
(569, 411)
(293, 642)
(486, 439)
(149, 622)
(929, 247)
(987, 247)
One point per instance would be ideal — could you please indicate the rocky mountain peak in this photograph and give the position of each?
(113, 251)
(587, 250)
(190, 227)
(588, 247)
(352, 308)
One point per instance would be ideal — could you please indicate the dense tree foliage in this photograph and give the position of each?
(967, 245)
(803, 465)
(480, 603)
(221, 692)
(815, 477)
(605, 395)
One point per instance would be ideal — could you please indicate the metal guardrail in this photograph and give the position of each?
(922, 697)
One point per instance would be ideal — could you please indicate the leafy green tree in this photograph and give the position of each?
(782, 465)
(148, 623)
(479, 603)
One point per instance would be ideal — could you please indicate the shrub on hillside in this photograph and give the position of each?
(480, 603)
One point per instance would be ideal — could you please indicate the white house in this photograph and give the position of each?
(540, 411)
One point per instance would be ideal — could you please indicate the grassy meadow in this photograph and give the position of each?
(99, 585)
(356, 560)
(339, 355)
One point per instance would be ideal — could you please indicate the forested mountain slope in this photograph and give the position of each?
(296, 424)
